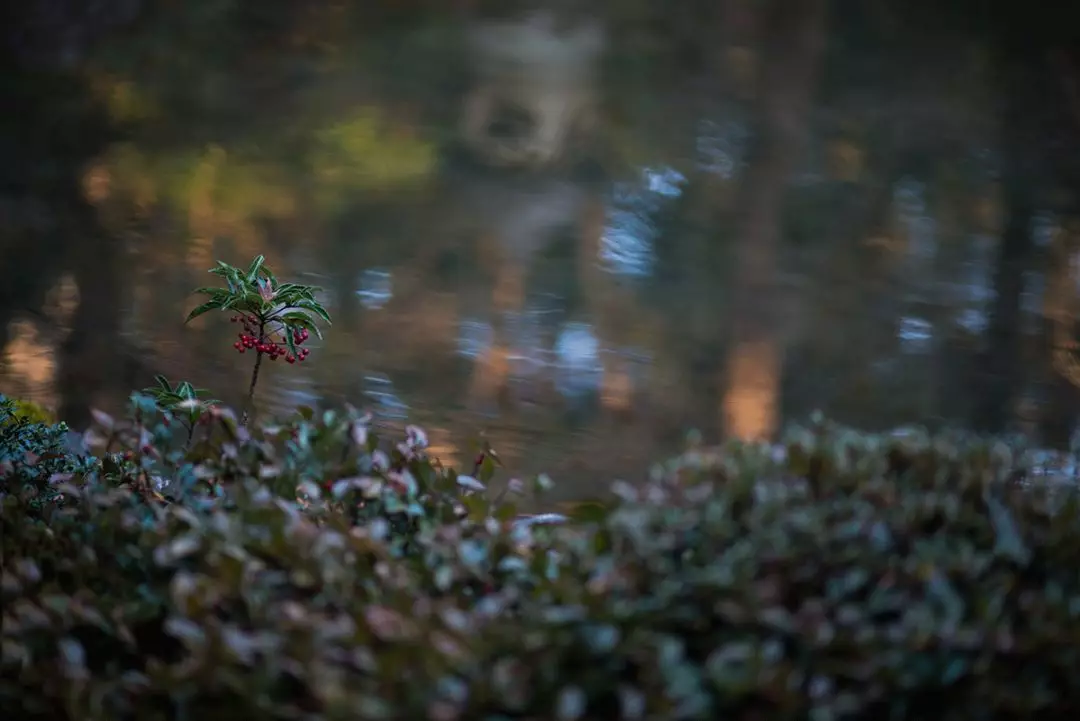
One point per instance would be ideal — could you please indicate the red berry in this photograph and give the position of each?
(237, 345)
(290, 359)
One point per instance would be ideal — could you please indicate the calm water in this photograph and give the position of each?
(580, 236)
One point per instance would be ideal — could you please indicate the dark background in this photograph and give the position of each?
(866, 207)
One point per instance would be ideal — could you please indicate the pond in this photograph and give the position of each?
(580, 235)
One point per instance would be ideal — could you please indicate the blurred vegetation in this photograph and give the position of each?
(364, 155)
(918, 181)
(27, 411)
(303, 568)
(322, 134)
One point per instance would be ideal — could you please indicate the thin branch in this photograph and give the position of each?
(254, 377)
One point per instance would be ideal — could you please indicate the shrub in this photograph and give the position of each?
(300, 569)
(202, 567)
(34, 449)
(15, 409)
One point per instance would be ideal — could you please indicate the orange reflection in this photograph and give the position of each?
(750, 404)
(30, 361)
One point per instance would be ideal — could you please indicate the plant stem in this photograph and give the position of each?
(254, 377)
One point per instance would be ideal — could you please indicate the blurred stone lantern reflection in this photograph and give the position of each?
(533, 89)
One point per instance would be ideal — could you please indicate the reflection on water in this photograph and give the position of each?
(522, 234)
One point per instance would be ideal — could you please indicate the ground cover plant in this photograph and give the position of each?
(196, 566)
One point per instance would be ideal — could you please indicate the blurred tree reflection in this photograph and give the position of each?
(792, 47)
(873, 213)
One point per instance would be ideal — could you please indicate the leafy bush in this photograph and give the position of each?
(202, 567)
(33, 450)
(300, 569)
(16, 409)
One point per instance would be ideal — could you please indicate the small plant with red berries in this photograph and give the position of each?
(277, 318)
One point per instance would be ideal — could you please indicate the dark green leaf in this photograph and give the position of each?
(254, 268)
(314, 307)
(204, 308)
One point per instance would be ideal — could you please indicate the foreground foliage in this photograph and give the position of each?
(302, 570)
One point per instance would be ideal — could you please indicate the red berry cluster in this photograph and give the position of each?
(249, 338)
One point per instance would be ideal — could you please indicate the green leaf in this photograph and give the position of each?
(587, 511)
(477, 507)
(300, 319)
(506, 512)
(223, 269)
(206, 307)
(295, 317)
(254, 268)
(214, 292)
(314, 307)
(231, 275)
(487, 468)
